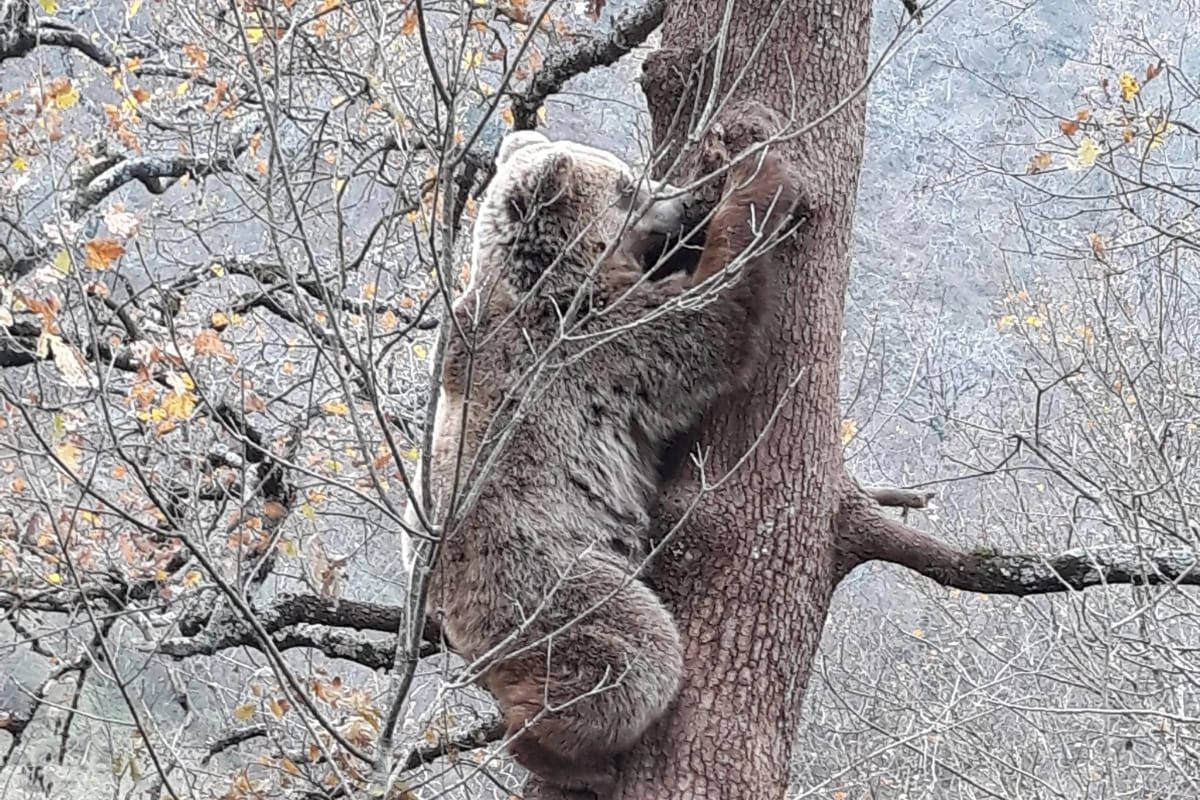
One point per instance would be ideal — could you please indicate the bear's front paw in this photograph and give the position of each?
(749, 122)
(714, 154)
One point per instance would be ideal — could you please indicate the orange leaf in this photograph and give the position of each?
(1068, 127)
(101, 253)
(208, 343)
(409, 26)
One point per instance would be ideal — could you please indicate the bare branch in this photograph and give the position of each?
(481, 736)
(23, 35)
(630, 29)
(866, 535)
(305, 612)
(156, 173)
(895, 497)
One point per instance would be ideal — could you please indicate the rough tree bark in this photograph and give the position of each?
(751, 573)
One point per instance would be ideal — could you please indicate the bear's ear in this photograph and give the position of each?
(551, 180)
(514, 141)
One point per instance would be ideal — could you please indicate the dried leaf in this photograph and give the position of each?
(1069, 127)
(244, 712)
(208, 343)
(1039, 162)
(120, 222)
(101, 253)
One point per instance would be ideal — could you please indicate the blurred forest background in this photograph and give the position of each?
(226, 232)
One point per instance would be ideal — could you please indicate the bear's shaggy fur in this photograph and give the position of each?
(566, 371)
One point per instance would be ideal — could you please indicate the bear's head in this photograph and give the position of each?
(553, 209)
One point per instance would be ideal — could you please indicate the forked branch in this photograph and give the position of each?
(865, 534)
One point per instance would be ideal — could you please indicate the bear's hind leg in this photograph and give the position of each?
(579, 776)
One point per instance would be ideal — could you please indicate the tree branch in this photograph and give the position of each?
(631, 28)
(866, 535)
(22, 37)
(156, 173)
(895, 497)
(300, 615)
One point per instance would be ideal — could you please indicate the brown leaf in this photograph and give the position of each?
(101, 253)
(409, 26)
(1069, 127)
(1039, 162)
(208, 343)
(594, 8)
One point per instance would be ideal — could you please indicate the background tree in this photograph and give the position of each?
(227, 232)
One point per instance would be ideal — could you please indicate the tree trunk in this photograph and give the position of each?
(750, 573)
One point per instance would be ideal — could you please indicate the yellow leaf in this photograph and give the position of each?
(179, 405)
(20, 164)
(541, 114)
(182, 88)
(419, 351)
(410, 454)
(49, 6)
(1088, 150)
(289, 548)
(1007, 321)
(849, 430)
(308, 511)
(55, 578)
(507, 116)
(101, 253)
(472, 59)
(337, 408)
(1129, 87)
(161, 575)
(254, 35)
(69, 455)
(192, 578)
(67, 98)
(62, 262)
(1034, 321)
(134, 5)
(244, 712)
